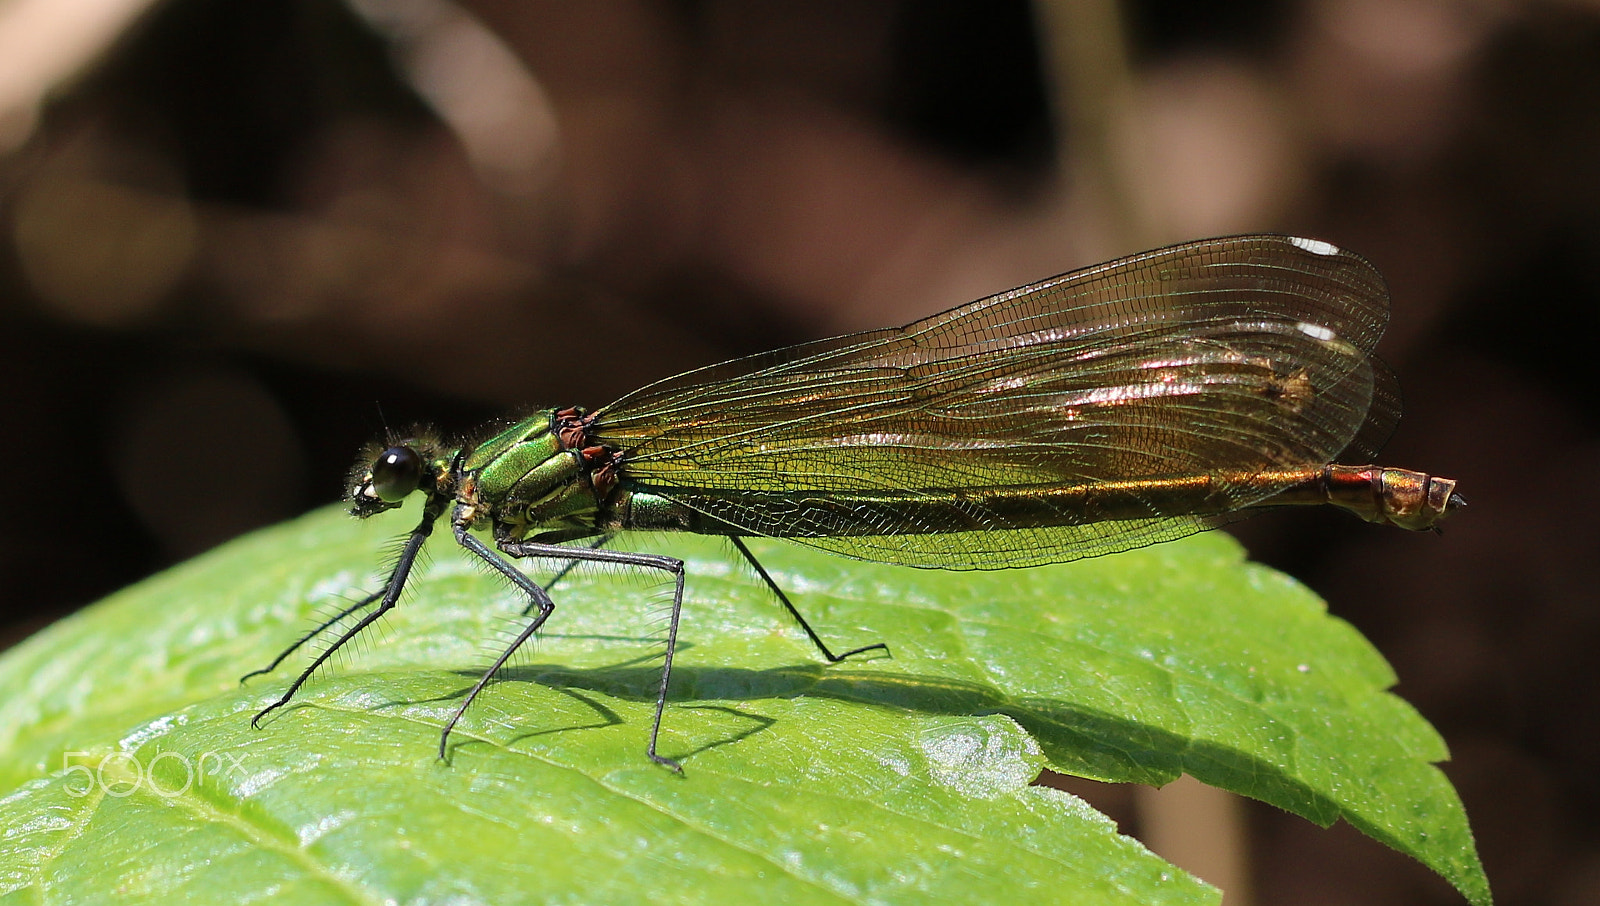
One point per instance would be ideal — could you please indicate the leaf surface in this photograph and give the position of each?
(128, 764)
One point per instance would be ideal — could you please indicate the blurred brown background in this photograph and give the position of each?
(229, 231)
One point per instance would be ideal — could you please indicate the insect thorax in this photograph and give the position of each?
(542, 476)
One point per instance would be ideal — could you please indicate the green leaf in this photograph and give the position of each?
(129, 770)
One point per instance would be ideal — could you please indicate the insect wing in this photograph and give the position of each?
(1234, 356)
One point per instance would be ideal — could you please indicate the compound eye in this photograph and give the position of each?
(396, 473)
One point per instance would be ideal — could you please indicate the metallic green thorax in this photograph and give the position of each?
(541, 476)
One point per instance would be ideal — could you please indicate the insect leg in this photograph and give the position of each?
(391, 593)
(295, 646)
(784, 600)
(569, 567)
(537, 598)
(596, 555)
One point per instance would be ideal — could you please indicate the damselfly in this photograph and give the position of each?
(1117, 406)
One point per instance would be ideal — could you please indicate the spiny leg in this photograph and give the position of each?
(784, 600)
(391, 594)
(567, 568)
(537, 597)
(542, 601)
(295, 646)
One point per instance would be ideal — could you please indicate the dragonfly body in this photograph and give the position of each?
(547, 478)
(1122, 405)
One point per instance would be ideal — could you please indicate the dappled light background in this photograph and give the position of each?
(231, 231)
